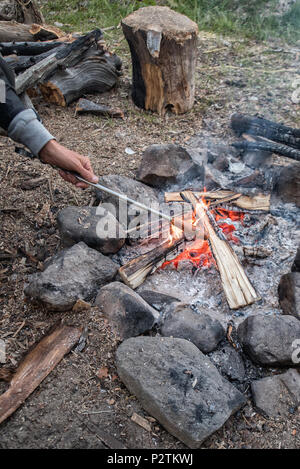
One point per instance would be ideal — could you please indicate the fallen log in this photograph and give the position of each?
(237, 288)
(257, 202)
(163, 46)
(27, 48)
(68, 55)
(242, 123)
(36, 366)
(84, 106)
(91, 75)
(135, 272)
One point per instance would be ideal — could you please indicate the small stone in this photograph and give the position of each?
(275, 395)
(158, 300)
(197, 327)
(268, 340)
(128, 313)
(287, 186)
(72, 274)
(154, 369)
(289, 294)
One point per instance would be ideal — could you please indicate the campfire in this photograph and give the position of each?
(212, 227)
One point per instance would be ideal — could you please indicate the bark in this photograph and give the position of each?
(84, 106)
(163, 46)
(27, 48)
(267, 145)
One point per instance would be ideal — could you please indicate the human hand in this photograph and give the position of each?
(55, 154)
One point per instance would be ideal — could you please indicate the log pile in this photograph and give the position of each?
(262, 135)
(62, 68)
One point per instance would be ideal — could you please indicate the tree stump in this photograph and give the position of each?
(163, 47)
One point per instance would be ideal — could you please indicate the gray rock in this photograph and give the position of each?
(178, 386)
(157, 300)
(197, 327)
(268, 340)
(277, 396)
(126, 214)
(163, 165)
(95, 226)
(289, 294)
(128, 313)
(287, 186)
(74, 273)
(229, 362)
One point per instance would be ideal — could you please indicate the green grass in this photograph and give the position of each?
(232, 17)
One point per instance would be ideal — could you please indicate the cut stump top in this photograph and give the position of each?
(171, 24)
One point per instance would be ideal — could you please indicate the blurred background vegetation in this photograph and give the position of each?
(256, 19)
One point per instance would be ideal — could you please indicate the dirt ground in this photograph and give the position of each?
(73, 407)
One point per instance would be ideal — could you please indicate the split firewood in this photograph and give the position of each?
(27, 48)
(135, 272)
(238, 290)
(68, 55)
(91, 75)
(13, 31)
(36, 366)
(242, 123)
(257, 202)
(139, 420)
(21, 63)
(84, 106)
(163, 45)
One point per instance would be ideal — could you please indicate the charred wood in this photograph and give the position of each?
(242, 123)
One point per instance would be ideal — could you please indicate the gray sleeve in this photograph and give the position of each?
(25, 128)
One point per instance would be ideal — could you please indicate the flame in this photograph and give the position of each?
(199, 253)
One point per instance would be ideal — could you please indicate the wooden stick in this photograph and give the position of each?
(135, 272)
(238, 290)
(257, 202)
(36, 366)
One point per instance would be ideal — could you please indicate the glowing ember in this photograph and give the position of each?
(199, 253)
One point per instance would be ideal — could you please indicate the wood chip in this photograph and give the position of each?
(141, 422)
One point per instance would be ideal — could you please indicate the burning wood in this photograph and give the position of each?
(135, 272)
(257, 202)
(36, 366)
(238, 290)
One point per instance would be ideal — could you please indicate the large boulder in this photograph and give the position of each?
(95, 226)
(289, 294)
(197, 327)
(178, 386)
(279, 395)
(269, 340)
(128, 313)
(163, 165)
(74, 273)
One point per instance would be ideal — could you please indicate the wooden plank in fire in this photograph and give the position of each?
(245, 202)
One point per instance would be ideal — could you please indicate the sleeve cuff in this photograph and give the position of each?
(25, 128)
